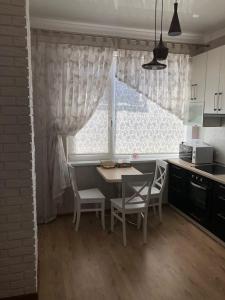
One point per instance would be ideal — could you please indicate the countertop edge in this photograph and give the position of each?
(191, 167)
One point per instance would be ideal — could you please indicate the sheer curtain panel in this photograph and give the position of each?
(169, 88)
(68, 82)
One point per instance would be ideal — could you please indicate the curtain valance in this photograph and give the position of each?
(51, 36)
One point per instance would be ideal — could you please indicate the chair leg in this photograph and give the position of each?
(160, 212)
(124, 231)
(103, 215)
(112, 218)
(74, 216)
(138, 220)
(77, 220)
(145, 224)
(154, 210)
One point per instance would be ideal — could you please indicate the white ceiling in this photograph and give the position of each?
(137, 14)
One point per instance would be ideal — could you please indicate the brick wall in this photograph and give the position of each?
(17, 177)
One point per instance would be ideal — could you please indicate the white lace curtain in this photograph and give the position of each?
(169, 88)
(68, 82)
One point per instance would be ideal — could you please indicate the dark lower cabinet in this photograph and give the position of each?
(178, 185)
(218, 220)
(200, 198)
(200, 195)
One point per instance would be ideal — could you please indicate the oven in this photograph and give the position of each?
(200, 190)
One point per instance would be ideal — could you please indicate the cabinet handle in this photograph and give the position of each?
(192, 92)
(195, 92)
(221, 216)
(198, 186)
(215, 101)
(222, 187)
(220, 101)
(221, 198)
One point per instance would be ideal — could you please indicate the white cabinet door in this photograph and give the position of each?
(221, 96)
(212, 81)
(198, 78)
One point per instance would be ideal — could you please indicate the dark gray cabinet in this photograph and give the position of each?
(218, 220)
(201, 199)
(178, 185)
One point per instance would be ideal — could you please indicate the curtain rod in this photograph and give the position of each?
(117, 38)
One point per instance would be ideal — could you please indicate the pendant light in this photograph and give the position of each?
(154, 64)
(175, 28)
(161, 51)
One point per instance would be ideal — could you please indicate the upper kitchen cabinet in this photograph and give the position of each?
(221, 96)
(198, 78)
(215, 82)
(195, 105)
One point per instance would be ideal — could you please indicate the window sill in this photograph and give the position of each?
(139, 160)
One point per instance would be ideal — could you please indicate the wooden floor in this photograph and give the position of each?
(179, 262)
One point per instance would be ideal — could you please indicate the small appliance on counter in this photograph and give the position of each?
(196, 152)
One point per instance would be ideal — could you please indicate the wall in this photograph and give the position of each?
(215, 137)
(17, 177)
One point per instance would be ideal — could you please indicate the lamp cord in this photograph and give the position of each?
(162, 17)
(155, 20)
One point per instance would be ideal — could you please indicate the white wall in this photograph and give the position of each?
(17, 188)
(216, 137)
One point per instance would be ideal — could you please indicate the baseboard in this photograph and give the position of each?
(23, 297)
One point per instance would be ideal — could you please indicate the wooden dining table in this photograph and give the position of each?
(114, 175)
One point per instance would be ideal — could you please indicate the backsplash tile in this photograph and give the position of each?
(215, 137)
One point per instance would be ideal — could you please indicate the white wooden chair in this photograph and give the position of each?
(158, 187)
(136, 204)
(84, 197)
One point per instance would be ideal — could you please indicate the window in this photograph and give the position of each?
(141, 126)
(126, 123)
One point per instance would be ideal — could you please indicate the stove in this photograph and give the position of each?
(214, 169)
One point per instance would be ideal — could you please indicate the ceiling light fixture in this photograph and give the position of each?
(154, 64)
(161, 51)
(175, 28)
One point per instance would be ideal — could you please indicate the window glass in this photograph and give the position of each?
(143, 127)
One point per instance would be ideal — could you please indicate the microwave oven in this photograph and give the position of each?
(196, 153)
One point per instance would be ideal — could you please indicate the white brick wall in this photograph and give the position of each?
(17, 177)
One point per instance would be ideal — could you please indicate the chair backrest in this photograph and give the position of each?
(73, 181)
(161, 171)
(143, 181)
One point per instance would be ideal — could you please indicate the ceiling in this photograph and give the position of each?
(196, 16)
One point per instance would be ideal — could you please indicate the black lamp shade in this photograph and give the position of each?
(154, 65)
(161, 51)
(175, 28)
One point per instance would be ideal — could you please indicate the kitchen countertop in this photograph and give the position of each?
(191, 167)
